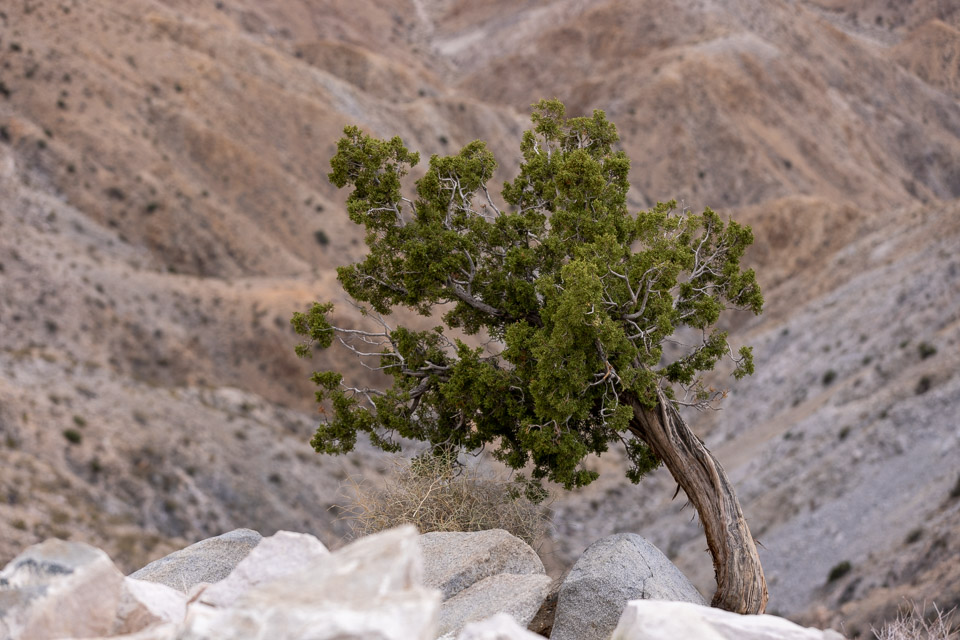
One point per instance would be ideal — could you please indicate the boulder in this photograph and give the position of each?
(209, 560)
(658, 620)
(403, 615)
(498, 627)
(520, 596)
(453, 561)
(370, 589)
(59, 589)
(145, 604)
(279, 555)
(610, 573)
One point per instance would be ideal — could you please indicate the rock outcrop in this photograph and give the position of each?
(289, 587)
(611, 572)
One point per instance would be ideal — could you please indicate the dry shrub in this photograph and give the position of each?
(917, 624)
(436, 493)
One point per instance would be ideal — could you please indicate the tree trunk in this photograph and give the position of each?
(741, 586)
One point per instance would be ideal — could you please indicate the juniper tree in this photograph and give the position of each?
(576, 298)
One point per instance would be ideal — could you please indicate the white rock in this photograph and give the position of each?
(453, 561)
(144, 604)
(405, 615)
(370, 589)
(59, 589)
(520, 596)
(499, 627)
(662, 620)
(279, 555)
(166, 631)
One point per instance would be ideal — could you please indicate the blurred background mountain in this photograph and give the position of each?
(164, 209)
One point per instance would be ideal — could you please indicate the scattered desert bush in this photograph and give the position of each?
(829, 377)
(435, 492)
(926, 350)
(839, 570)
(73, 436)
(917, 624)
(914, 535)
(955, 492)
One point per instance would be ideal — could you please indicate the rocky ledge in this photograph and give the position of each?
(389, 586)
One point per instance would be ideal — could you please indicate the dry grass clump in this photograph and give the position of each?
(916, 624)
(437, 493)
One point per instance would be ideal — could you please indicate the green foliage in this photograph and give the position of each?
(73, 436)
(576, 295)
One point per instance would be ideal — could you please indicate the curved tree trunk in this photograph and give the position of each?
(741, 586)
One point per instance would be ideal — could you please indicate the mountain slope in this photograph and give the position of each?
(164, 208)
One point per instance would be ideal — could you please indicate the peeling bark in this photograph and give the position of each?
(741, 586)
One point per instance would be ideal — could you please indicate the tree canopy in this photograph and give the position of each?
(575, 296)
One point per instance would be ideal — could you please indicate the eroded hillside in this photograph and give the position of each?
(164, 208)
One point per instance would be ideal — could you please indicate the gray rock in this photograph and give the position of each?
(209, 560)
(519, 596)
(498, 627)
(658, 620)
(611, 572)
(453, 561)
(368, 590)
(59, 589)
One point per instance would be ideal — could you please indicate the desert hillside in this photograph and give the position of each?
(164, 208)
